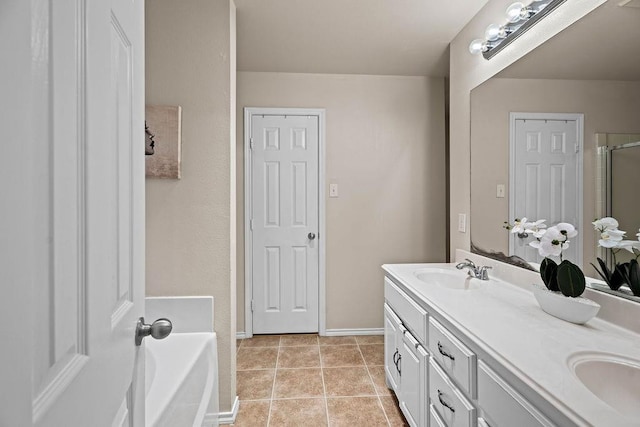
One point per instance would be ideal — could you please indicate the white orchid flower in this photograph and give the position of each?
(552, 242)
(538, 245)
(605, 224)
(638, 234)
(519, 226)
(550, 247)
(555, 233)
(629, 245)
(567, 229)
(611, 238)
(536, 228)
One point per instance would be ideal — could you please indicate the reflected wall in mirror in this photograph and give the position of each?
(591, 69)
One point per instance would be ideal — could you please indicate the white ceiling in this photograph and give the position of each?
(604, 45)
(385, 37)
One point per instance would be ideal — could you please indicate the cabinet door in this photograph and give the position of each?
(413, 381)
(391, 347)
(502, 405)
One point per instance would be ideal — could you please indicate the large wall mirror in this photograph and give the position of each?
(578, 96)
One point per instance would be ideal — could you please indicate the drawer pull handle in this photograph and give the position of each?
(445, 404)
(444, 353)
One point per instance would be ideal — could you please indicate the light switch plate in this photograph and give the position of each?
(333, 190)
(462, 223)
(500, 189)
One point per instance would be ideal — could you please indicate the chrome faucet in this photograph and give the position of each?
(474, 271)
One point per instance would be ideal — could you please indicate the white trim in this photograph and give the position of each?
(223, 417)
(348, 332)
(322, 235)
(241, 335)
(579, 119)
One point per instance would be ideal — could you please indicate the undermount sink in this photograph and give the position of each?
(614, 380)
(452, 279)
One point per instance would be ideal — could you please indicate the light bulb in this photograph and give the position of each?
(515, 11)
(493, 32)
(477, 46)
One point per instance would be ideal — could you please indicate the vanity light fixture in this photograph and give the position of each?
(520, 18)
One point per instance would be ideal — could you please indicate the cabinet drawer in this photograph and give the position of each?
(413, 316)
(453, 356)
(502, 405)
(454, 409)
(434, 418)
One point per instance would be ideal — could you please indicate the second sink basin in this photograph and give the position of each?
(614, 380)
(452, 279)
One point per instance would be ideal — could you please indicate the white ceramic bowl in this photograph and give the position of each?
(575, 310)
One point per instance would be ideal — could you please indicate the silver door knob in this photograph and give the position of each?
(159, 329)
(311, 236)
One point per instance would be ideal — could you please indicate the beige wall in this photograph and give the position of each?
(624, 180)
(468, 71)
(608, 106)
(385, 148)
(190, 222)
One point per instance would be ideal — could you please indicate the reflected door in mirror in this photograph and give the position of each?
(544, 163)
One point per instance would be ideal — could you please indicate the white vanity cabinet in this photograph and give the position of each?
(406, 357)
(437, 374)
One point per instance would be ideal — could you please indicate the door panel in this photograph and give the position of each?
(82, 260)
(284, 210)
(391, 347)
(413, 379)
(546, 184)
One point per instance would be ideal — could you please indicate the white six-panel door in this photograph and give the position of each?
(284, 223)
(546, 177)
(83, 258)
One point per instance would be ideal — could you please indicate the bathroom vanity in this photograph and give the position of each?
(464, 352)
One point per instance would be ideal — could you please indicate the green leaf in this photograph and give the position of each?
(570, 279)
(548, 269)
(606, 273)
(619, 277)
(634, 277)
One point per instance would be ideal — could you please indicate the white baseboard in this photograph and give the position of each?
(227, 417)
(336, 332)
(361, 331)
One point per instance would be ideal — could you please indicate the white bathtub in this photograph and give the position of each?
(181, 385)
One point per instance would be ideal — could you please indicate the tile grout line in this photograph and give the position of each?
(324, 387)
(375, 389)
(273, 386)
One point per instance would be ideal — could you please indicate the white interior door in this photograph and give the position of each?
(546, 179)
(79, 263)
(284, 222)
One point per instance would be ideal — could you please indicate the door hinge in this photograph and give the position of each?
(252, 306)
(251, 224)
(251, 143)
(577, 147)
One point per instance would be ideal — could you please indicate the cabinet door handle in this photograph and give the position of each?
(444, 353)
(395, 362)
(445, 404)
(399, 364)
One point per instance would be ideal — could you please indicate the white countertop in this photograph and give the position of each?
(507, 323)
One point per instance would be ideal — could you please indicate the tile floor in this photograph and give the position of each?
(308, 380)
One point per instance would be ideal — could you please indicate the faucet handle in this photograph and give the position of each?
(483, 273)
(470, 262)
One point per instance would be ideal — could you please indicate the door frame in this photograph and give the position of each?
(322, 235)
(579, 119)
